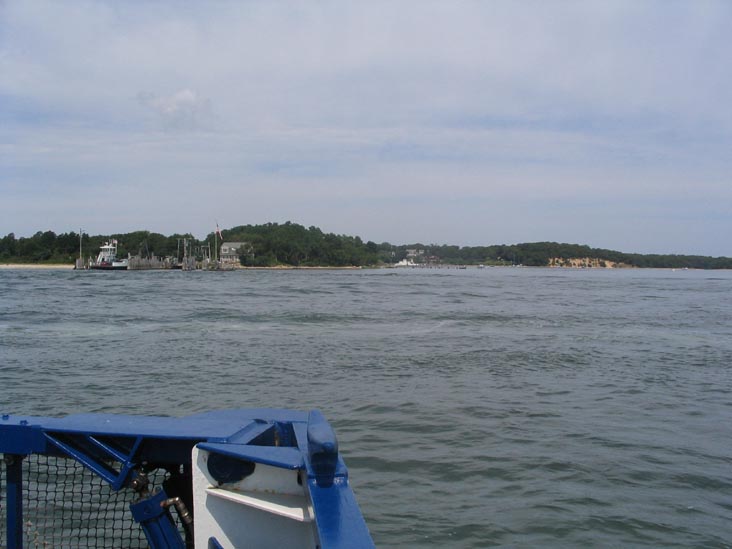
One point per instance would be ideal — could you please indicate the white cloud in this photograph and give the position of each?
(183, 110)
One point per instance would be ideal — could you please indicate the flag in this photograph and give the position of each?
(218, 232)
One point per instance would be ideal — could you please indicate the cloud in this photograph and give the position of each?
(183, 110)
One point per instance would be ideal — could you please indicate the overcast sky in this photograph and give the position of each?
(601, 123)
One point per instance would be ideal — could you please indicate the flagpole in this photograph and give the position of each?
(216, 242)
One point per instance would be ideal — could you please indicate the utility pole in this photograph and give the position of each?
(80, 263)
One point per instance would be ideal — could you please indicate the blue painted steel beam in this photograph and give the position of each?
(337, 516)
(100, 469)
(14, 492)
(156, 522)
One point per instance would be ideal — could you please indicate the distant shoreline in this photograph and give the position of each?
(67, 267)
(297, 268)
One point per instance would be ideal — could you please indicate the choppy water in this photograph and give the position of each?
(514, 407)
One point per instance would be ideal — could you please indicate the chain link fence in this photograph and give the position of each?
(66, 505)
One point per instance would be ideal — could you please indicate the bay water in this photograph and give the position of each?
(516, 407)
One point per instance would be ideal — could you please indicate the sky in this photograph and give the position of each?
(606, 123)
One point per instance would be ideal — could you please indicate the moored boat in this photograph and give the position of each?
(107, 258)
(233, 478)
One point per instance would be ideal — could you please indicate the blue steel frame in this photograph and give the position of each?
(282, 438)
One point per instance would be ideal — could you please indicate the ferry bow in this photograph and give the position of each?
(232, 478)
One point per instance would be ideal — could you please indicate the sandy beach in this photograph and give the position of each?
(36, 266)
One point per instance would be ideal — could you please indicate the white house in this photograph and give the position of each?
(230, 251)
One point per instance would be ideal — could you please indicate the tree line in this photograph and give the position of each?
(291, 244)
(539, 254)
(49, 247)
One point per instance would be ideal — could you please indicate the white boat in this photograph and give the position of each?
(107, 258)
